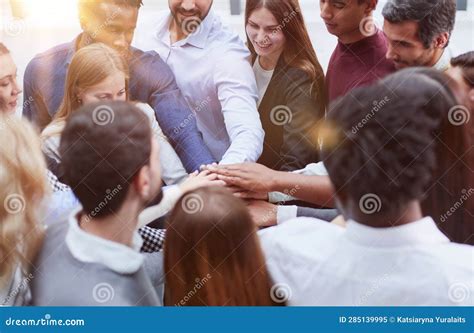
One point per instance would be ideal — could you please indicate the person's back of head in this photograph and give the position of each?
(382, 152)
(109, 157)
(22, 190)
(212, 253)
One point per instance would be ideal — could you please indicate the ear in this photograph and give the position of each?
(142, 183)
(471, 95)
(442, 40)
(371, 5)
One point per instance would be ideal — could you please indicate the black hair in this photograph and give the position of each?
(433, 16)
(87, 7)
(103, 147)
(384, 145)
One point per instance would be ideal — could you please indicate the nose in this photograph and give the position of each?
(390, 55)
(188, 5)
(261, 37)
(326, 13)
(121, 42)
(16, 89)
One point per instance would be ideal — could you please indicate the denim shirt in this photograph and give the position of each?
(151, 81)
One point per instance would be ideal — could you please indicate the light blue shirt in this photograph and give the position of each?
(213, 72)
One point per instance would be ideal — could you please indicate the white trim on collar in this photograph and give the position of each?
(415, 233)
(92, 249)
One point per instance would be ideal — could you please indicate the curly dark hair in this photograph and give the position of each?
(433, 16)
(385, 148)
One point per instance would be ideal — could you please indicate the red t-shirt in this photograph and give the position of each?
(357, 64)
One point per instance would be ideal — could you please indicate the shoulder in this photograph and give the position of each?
(223, 40)
(50, 57)
(300, 236)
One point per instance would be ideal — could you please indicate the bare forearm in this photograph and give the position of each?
(317, 190)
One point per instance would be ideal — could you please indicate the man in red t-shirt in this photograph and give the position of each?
(359, 57)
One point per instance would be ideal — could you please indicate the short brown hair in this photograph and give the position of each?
(212, 253)
(103, 147)
(466, 63)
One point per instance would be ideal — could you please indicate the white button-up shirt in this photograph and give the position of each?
(213, 71)
(317, 263)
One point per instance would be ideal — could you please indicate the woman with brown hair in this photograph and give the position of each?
(290, 82)
(213, 255)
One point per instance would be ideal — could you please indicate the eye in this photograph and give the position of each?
(5, 84)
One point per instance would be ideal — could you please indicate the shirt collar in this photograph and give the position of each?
(444, 63)
(92, 249)
(197, 39)
(72, 49)
(415, 233)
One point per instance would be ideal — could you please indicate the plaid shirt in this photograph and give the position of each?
(153, 239)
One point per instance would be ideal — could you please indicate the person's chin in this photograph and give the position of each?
(263, 51)
(401, 65)
(332, 29)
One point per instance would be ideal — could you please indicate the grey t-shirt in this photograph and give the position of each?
(62, 280)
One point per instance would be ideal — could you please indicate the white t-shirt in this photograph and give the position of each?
(263, 78)
(317, 263)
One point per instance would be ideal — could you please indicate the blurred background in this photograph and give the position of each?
(28, 27)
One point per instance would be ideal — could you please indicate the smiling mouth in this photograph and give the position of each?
(263, 46)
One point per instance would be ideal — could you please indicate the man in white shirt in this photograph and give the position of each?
(389, 254)
(418, 32)
(212, 68)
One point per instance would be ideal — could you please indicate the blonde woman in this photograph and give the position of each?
(9, 89)
(98, 73)
(22, 190)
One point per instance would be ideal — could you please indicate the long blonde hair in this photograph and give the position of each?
(23, 187)
(90, 66)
